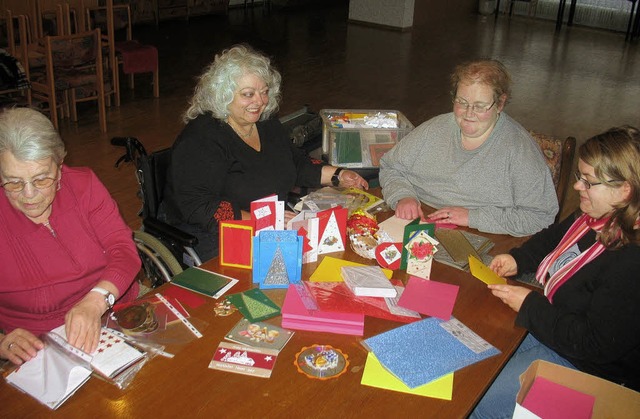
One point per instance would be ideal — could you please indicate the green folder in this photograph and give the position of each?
(348, 147)
(203, 281)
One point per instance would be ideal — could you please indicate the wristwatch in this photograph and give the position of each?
(335, 179)
(109, 298)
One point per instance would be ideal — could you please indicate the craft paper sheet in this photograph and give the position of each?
(429, 297)
(329, 270)
(484, 273)
(375, 375)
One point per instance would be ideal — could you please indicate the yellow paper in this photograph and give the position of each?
(484, 273)
(329, 270)
(375, 375)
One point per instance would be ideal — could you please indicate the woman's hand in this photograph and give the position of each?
(409, 209)
(510, 295)
(83, 322)
(453, 215)
(504, 265)
(350, 179)
(20, 346)
(288, 215)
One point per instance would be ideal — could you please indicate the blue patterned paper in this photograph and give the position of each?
(420, 352)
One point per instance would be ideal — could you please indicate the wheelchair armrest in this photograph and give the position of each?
(170, 232)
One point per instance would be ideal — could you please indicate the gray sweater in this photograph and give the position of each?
(505, 183)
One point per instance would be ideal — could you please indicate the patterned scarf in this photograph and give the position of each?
(577, 230)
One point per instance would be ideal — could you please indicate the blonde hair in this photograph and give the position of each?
(219, 82)
(490, 72)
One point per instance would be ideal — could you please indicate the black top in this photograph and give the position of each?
(214, 174)
(594, 320)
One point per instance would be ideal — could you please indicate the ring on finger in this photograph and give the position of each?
(11, 345)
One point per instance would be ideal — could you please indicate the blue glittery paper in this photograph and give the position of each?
(420, 352)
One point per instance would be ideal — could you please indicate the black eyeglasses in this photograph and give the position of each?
(476, 107)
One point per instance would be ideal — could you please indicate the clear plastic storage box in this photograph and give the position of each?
(357, 138)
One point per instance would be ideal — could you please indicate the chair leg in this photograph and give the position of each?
(156, 83)
(73, 105)
(53, 109)
(102, 113)
(116, 84)
(131, 82)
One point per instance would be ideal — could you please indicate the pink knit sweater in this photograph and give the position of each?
(41, 275)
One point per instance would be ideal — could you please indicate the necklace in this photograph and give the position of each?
(248, 134)
(46, 224)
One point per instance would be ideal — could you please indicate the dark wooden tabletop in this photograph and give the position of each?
(185, 386)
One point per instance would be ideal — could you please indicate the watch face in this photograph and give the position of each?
(111, 299)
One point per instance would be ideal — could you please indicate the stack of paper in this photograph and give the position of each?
(367, 281)
(295, 315)
(423, 351)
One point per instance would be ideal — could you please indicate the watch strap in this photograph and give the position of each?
(109, 298)
(335, 179)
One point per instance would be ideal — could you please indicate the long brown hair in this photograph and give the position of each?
(615, 158)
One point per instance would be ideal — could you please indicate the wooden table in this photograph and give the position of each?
(185, 386)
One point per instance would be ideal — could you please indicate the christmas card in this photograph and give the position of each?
(259, 335)
(247, 360)
(254, 305)
(409, 232)
(277, 258)
(307, 225)
(268, 213)
(236, 243)
(332, 230)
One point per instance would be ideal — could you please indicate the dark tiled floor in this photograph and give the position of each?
(577, 82)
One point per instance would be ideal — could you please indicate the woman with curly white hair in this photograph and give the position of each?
(232, 151)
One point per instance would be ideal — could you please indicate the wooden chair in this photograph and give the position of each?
(17, 48)
(558, 155)
(133, 56)
(73, 62)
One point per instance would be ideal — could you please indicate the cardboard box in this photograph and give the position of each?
(358, 138)
(611, 400)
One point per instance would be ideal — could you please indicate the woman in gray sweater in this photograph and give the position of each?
(476, 165)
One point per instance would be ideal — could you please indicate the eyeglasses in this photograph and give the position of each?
(588, 184)
(19, 185)
(476, 107)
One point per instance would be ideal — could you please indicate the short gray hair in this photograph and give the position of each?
(217, 85)
(30, 136)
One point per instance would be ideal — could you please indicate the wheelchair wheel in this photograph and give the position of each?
(158, 262)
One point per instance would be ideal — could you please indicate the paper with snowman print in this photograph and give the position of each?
(332, 230)
(420, 249)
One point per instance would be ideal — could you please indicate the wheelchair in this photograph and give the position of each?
(164, 249)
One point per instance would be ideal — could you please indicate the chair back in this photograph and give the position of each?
(152, 172)
(558, 154)
(70, 51)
